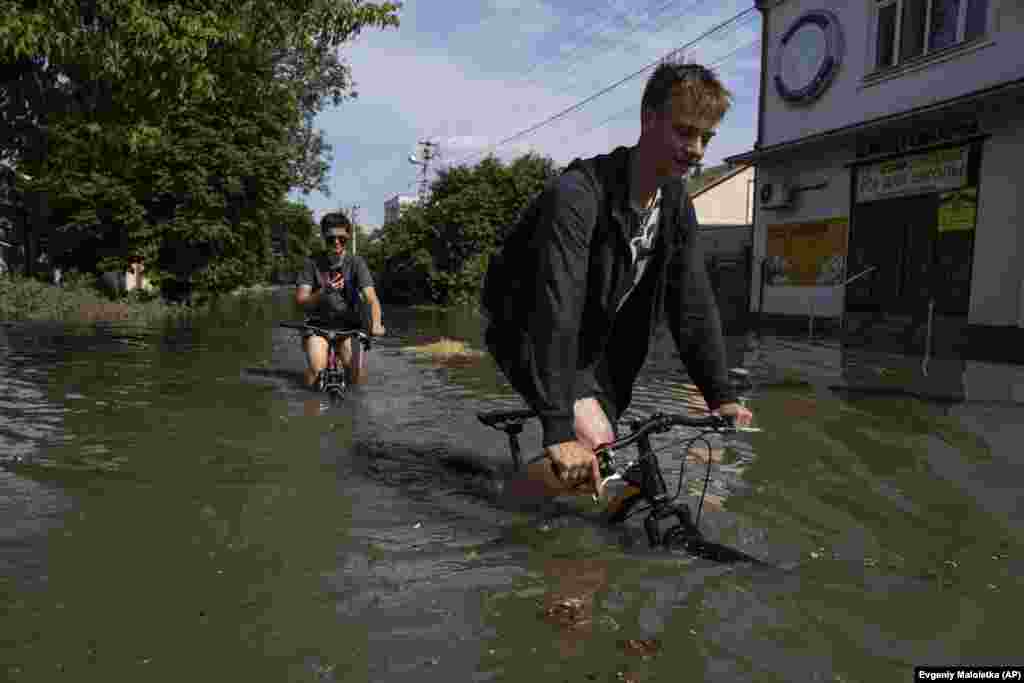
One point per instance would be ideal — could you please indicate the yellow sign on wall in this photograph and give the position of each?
(807, 254)
(958, 210)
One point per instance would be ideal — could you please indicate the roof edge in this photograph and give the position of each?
(757, 154)
(721, 179)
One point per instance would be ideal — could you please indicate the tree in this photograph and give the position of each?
(157, 150)
(442, 248)
(295, 236)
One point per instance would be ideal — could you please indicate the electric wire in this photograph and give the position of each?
(579, 105)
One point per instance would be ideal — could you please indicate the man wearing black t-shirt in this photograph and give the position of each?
(336, 288)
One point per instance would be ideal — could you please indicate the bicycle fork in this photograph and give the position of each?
(652, 484)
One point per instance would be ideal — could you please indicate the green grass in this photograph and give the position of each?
(79, 301)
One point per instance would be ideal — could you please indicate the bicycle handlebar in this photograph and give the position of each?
(657, 423)
(662, 423)
(326, 332)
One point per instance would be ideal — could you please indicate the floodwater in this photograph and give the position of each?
(174, 506)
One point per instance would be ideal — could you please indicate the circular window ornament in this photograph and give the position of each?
(808, 57)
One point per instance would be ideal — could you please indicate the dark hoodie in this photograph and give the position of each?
(564, 270)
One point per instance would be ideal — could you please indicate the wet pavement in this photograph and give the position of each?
(174, 504)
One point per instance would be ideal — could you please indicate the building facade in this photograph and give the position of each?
(393, 207)
(723, 200)
(888, 199)
(728, 199)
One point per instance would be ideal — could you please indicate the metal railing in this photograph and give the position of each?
(928, 337)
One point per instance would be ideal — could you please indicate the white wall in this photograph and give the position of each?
(731, 202)
(850, 99)
(998, 271)
(818, 163)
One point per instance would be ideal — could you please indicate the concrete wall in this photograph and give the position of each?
(730, 202)
(997, 279)
(854, 96)
(724, 240)
(817, 164)
(993, 382)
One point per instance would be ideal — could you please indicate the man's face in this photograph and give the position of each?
(336, 240)
(677, 138)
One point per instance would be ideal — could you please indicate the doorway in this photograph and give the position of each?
(915, 265)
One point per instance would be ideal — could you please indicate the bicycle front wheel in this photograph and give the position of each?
(621, 505)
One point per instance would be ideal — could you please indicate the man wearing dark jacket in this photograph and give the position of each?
(596, 260)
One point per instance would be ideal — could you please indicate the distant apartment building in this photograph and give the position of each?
(393, 207)
(889, 141)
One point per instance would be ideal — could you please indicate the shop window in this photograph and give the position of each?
(908, 29)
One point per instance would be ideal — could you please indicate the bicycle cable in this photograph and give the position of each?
(682, 474)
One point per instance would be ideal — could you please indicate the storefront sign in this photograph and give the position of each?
(921, 134)
(807, 254)
(958, 210)
(938, 171)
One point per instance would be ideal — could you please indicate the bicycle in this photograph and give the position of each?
(643, 478)
(332, 380)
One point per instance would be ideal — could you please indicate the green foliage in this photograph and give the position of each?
(297, 229)
(401, 259)
(173, 131)
(438, 252)
(78, 301)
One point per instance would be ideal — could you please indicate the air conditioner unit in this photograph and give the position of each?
(775, 195)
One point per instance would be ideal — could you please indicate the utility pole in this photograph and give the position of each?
(424, 163)
(354, 217)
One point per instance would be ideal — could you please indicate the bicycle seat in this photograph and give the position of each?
(497, 418)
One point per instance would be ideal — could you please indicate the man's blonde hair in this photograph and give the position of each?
(696, 86)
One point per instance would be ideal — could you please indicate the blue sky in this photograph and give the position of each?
(467, 76)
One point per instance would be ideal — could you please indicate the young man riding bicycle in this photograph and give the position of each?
(607, 249)
(335, 288)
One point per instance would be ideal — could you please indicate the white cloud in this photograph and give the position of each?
(466, 91)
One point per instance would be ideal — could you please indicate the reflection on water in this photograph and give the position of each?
(181, 478)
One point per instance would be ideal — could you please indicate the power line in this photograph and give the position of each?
(668, 23)
(588, 44)
(613, 86)
(634, 107)
(586, 101)
(558, 57)
(595, 36)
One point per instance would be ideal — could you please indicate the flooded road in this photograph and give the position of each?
(174, 505)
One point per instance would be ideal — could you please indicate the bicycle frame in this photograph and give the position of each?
(644, 473)
(335, 383)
